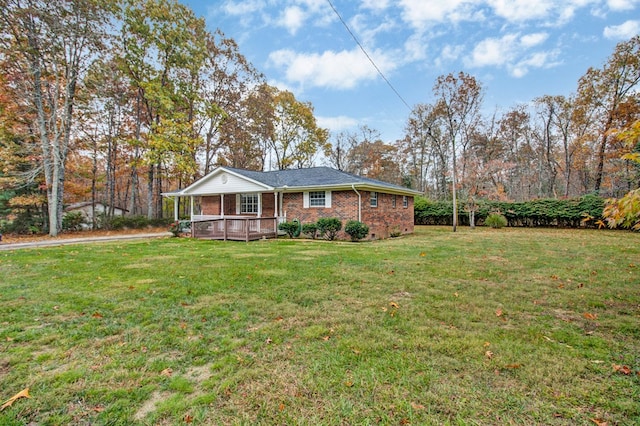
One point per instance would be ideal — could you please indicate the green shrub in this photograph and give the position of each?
(356, 230)
(73, 221)
(395, 232)
(496, 220)
(328, 227)
(311, 230)
(292, 229)
(133, 222)
(569, 213)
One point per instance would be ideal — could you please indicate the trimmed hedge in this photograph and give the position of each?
(569, 213)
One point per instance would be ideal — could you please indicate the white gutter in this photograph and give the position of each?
(353, 186)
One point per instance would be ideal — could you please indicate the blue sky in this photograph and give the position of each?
(517, 49)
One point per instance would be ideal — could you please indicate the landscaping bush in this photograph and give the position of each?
(356, 230)
(310, 230)
(73, 221)
(292, 229)
(496, 220)
(570, 213)
(133, 222)
(328, 227)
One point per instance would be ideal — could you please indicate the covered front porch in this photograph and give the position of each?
(241, 216)
(239, 228)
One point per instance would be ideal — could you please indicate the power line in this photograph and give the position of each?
(367, 55)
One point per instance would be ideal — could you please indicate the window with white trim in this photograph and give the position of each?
(393, 201)
(374, 199)
(317, 199)
(249, 203)
(405, 201)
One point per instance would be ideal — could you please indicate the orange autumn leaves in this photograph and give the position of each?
(22, 394)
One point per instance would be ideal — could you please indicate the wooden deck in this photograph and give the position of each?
(237, 228)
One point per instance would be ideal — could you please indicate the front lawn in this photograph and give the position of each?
(511, 326)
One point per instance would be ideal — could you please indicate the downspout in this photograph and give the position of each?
(353, 186)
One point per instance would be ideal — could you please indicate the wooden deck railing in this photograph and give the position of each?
(239, 228)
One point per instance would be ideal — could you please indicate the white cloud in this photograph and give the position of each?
(418, 13)
(521, 10)
(536, 60)
(336, 70)
(243, 7)
(337, 124)
(623, 31)
(618, 5)
(292, 19)
(449, 54)
(510, 52)
(377, 5)
(494, 51)
(531, 40)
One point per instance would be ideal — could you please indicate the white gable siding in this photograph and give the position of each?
(217, 185)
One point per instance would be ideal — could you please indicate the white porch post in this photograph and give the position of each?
(175, 208)
(221, 205)
(191, 207)
(260, 204)
(275, 204)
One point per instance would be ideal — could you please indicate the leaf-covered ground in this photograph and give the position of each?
(512, 326)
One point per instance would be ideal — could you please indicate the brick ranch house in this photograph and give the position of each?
(238, 204)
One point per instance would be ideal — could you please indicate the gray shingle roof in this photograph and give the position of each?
(315, 176)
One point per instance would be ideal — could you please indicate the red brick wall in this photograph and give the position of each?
(210, 205)
(382, 220)
(385, 218)
(344, 205)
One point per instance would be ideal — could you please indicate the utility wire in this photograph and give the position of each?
(367, 54)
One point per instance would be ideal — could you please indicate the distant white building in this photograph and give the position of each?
(86, 210)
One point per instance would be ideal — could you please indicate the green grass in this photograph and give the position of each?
(483, 327)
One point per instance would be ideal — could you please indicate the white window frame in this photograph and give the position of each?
(373, 199)
(317, 198)
(405, 201)
(244, 203)
(306, 200)
(393, 201)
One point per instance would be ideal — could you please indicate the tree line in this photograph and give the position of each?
(554, 146)
(119, 100)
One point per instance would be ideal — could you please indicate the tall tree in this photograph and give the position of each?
(604, 90)
(164, 52)
(296, 138)
(458, 101)
(52, 43)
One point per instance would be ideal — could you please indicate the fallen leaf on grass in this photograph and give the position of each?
(166, 372)
(96, 315)
(513, 366)
(488, 354)
(599, 422)
(416, 406)
(499, 312)
(589, 316)
(22, 394)
(623, 369)
(188, 419)
(394, 305)
(422, 254)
